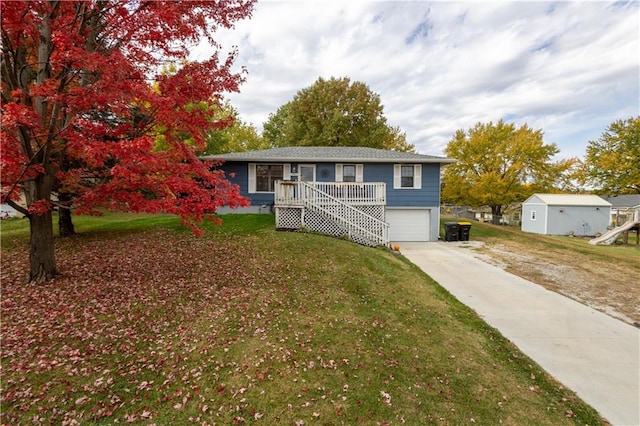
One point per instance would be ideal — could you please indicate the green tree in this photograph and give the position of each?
(274, 129)
(612, 163)
(499, 165)
(334, 112)
(233, 135)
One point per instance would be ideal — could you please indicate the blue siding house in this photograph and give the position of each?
(372, 196)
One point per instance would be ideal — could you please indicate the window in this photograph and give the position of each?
(407, 176)
(349, 173)
(266, 175)
(262, 177)
(307, 173)
(533, 215)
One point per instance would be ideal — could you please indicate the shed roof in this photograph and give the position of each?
(569, 200)
(330, 153)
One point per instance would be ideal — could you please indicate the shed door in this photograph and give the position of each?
(408, 224)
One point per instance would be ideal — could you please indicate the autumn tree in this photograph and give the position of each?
(498, 165)
(83, 102)
(612, 163)
(334, 112)
(237, 137)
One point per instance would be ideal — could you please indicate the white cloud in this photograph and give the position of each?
(569, 68)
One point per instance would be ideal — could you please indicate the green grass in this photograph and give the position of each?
(17, 229)
(271, 328)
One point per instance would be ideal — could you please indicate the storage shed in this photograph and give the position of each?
(565, 214)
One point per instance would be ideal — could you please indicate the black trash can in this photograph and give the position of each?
(464, 228)
(451, 231)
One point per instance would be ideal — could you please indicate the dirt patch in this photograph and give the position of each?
(606, 286)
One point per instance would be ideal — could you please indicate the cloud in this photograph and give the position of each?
(568, 68)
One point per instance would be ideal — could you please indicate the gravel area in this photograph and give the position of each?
(606, 286)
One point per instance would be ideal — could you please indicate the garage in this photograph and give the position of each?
(408, 224)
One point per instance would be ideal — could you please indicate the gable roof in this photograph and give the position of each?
(330, 153)
(623, 200)
(569, 200)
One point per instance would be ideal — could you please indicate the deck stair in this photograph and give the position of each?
(344, 210)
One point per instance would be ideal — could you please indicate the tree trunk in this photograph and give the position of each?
(41, 253)
(42, 262)
(65, 224)
(496, 214)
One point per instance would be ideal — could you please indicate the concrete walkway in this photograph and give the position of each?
(593, 354)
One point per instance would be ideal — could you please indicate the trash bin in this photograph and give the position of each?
(451, 231)
(464, 228)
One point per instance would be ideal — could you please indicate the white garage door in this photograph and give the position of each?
(408, 224)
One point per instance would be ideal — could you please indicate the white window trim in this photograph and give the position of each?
(300, 166)
(533, 215)
(359, 171)
(286, 175)
(417, 176)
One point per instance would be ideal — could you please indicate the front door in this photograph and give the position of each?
(307, 172)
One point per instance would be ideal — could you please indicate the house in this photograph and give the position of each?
(622, 207)
(6, 211)
(565, 214)
(369, 195)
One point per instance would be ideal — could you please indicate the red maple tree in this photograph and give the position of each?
(89, 120)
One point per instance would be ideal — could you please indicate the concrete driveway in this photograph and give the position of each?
(595, 355)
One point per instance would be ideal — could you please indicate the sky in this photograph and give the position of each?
(567, 68)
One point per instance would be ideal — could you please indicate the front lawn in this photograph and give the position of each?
(151, 325)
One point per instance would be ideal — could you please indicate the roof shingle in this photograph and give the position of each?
(570, 200)
(330, 153)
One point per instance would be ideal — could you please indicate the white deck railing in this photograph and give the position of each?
(357, 194)
(336, 208)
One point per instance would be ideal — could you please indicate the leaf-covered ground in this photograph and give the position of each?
(160, 327)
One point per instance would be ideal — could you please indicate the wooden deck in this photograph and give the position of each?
(354, 210)
(292, 194)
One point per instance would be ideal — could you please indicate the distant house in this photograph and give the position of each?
(565, 214)
(372, 196)
(6, 211)
(510, 215)
(621, 206)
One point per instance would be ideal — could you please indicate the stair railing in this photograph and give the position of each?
(333, 205)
